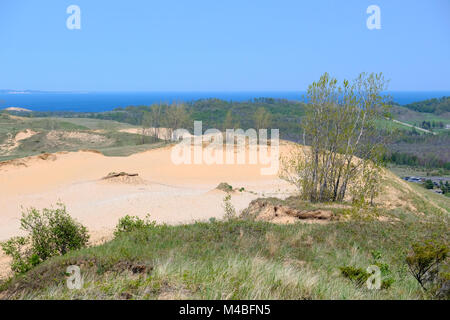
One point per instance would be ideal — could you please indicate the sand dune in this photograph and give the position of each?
(171, 193)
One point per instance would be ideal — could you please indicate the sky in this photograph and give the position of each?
(223, 45)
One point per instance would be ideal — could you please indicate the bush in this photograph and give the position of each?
(428, 184)
(230, 211)
(22, 258)
(132, 223)
(424, 262)
(356, 275)
(51, 232)
(360, 276)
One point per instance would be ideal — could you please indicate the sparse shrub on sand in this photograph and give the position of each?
(230, 211)
(51, 232)
(133, 223)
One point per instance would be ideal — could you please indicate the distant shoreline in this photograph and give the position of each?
(107, 101)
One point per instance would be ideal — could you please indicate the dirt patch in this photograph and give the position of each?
(123, 178)
(72, 138)
(14, 163)
(266, 211)
(169, 292)
(47, 156)
(134, 268)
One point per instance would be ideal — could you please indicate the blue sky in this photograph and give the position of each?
(220, 45)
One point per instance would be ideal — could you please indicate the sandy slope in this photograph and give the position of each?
(14, 142)
(170, 193)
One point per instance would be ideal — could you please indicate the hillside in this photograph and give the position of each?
(435, 106)
(238, 259)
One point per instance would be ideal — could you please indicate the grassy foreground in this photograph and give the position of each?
(237, 259)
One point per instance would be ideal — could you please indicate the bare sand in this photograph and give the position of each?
(169, 193)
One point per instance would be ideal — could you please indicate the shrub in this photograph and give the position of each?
(360, 276)
(356, 275)
(22, 259)
(132, 223)
(424, 262)
(51, 232)
(230, 211)
(428, 184)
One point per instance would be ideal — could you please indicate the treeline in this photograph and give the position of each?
(435, 105)
(429, 161)
(425, 150)
(407, 148)
(214, 113)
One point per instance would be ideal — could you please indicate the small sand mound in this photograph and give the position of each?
(224, 186)
(265, 211)
(123, 178)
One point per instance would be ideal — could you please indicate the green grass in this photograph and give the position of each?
(238, 259)
(96, 124)
(416, 118)
(125, 151)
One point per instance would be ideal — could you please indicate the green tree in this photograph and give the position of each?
(429, 184)
(228, 121)
(346, 148)
(176, 117)
(262, 118)
(147, 122)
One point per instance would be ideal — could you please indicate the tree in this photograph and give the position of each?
(262, 118)
(228, 121)
(429, 184)
(424, 261)
(147, 122)
(345, 146)
(176, 117)
(157, 112)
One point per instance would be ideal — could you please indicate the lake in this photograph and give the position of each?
(104, 101)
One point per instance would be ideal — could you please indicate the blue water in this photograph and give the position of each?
(98, 102)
